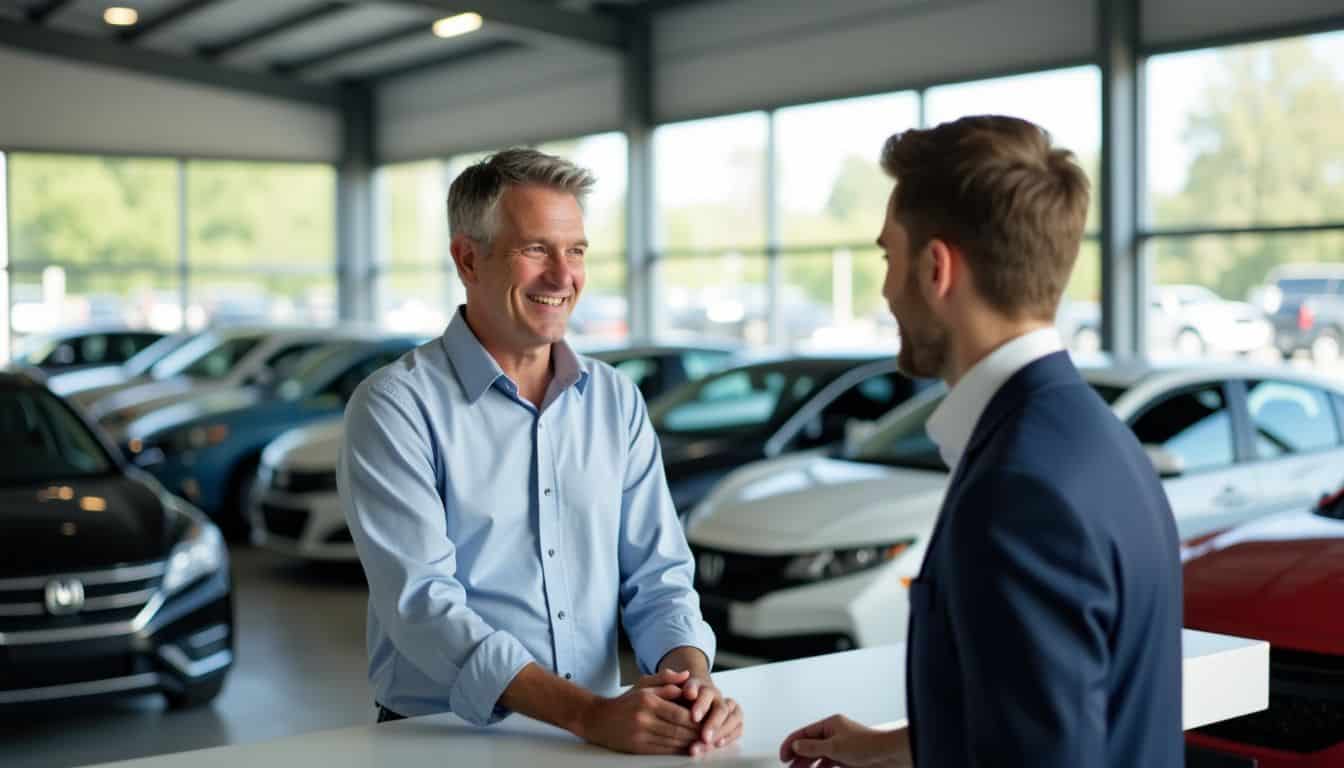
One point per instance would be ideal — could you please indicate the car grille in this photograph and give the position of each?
(287, 522)
(735, 576)
(291, 481)
(775, 648)
(1306, 706)
(110, 595)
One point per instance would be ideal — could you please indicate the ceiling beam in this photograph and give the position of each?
(343, 50)
(173, 15)
(439, 60)
(535, 19)
(270, 29)
(109, 53)
(43, 12)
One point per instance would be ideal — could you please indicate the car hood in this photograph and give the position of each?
(313, 448)
(807, 503)
(193, 407)
(74, 382)
(95, 395)
(135, 401)
(80, 525)
(1279, 579)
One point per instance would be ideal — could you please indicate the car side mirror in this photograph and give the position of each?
(857, 432)
(1165, 462)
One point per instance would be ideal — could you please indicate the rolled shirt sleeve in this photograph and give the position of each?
(661, 608)
(386, 479)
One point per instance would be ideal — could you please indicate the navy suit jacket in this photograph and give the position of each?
(1045, 624)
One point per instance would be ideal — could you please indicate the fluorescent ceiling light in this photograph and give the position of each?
(119, 16)
(461, 24)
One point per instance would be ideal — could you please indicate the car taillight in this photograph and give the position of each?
(1305, 318)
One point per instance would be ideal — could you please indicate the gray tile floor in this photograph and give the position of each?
(300, 667)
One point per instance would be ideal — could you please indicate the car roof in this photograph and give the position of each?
(1129, 373)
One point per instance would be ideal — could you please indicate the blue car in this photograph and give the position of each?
(207, 449)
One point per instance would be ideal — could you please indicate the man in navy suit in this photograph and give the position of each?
(1045, 624)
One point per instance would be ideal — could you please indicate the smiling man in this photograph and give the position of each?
(507, 500)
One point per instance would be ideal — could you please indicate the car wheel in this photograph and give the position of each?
(1325, 348)
(197, 695)
(1189, 343)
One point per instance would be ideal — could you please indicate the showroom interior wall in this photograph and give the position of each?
(708, 59)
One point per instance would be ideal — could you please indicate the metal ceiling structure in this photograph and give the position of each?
(307, 50)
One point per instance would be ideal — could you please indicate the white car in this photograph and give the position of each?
(812, 553)
(294, 507)
(213, 361)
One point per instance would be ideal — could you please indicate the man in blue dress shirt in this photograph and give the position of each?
(507, 500)
(1045, 625)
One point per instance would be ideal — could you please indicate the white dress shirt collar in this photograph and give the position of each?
(953, 422)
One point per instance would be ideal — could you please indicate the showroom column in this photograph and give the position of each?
(354, 204)
(639, 198)
(1124, 273)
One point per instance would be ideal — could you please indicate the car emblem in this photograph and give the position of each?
(64, 596)
(711, 567)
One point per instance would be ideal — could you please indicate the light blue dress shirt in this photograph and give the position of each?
(493, 534)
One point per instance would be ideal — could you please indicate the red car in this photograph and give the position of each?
(1280, 579)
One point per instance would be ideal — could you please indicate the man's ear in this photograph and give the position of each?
(466, 255)
(941, 268)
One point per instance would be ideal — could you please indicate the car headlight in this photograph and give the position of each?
(834, 563)
(194, 438)
(200, 553)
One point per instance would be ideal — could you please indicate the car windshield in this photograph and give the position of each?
(42, 441)
(310, 370)
(738, 401)
(1303, 286)
(901, 439)
(140, 363)
(207, 357)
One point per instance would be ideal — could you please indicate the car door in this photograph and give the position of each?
(1208, 488)
(1296, 442)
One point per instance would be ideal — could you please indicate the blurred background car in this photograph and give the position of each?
(1306, 303)
(83, 348)
(1279, 579)
(813, 553)
(208, 447)
(765, 409)
(108, 583)
(660, 368)
(85, 386)
(216, 361)
(1189, 321)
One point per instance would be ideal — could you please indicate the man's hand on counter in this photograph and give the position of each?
(644, 720)
(718, 717)
(839, 741)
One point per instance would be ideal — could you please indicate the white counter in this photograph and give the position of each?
(1224, 677)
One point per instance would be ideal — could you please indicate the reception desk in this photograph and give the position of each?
(1224, 677)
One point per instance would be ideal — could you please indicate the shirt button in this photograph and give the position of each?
(547, 492)
(550, 553)
(560, 615)
(568, 676)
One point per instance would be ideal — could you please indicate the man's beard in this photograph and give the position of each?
(924, 345)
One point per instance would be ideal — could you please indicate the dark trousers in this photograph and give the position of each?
(386, 715)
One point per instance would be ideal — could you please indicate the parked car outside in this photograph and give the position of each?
(108, 583)
(85, 386)
(1306, 304)
(208, 448)
(1279, 579)
(219, 361)
(762, 410)
(813, 553)
(83, 348)
(1190, 321)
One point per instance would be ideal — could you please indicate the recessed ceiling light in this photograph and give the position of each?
(461, 24)
(119, 16)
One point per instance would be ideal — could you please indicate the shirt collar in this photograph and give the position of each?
(953, 423)
(477, 371)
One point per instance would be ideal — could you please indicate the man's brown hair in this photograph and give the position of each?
(994, 188)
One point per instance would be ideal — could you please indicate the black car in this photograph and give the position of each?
(108, 584)
(1308, 310)
(80, 349)
(710, 427)
(661, 368)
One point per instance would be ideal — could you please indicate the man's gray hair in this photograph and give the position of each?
(474, 195)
